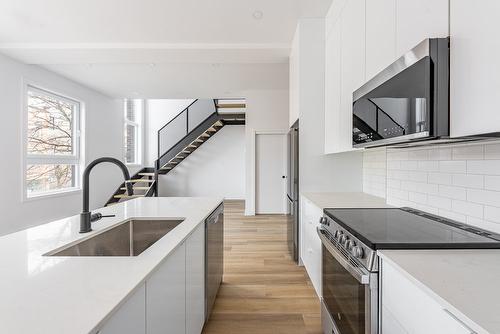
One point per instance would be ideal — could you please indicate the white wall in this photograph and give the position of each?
(158, 112)
(460, 181)
(217, 168)
(267, 110)
(103, 121)
(318, 172)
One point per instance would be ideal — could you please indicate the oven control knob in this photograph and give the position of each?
(357, 251)
(324, 221)
(350, 244)
(337, 234)
(343, 239)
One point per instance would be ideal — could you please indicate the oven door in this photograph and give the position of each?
(350, 292)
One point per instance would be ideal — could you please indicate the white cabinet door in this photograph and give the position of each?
(474, 67)
(380, 35)
(332, 89)
(410, 308)
(195, 281)
(353, 65)
(311, 255)
(418, 20)
(166, 295)
(130, 318)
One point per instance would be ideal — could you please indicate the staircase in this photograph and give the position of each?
(180, 137)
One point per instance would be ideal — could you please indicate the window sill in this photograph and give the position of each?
(52, 194)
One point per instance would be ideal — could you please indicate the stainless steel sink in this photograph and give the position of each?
(130, 238)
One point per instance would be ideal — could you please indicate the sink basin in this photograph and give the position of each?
(130, 238)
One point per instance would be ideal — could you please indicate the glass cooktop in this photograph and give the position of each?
(405, 228)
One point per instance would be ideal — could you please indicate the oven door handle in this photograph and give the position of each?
(362, 276)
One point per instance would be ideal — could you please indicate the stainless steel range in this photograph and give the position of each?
(351, 238)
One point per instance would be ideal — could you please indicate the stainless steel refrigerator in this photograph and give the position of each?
(293, 191)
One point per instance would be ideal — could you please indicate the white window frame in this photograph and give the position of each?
(76, 159)
(139, 133)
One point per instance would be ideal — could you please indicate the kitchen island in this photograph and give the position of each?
(83, 294)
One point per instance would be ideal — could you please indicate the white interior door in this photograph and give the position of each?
(270, 186)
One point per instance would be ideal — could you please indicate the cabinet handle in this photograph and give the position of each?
(464, 325)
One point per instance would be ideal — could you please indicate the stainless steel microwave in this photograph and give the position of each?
(408, 101)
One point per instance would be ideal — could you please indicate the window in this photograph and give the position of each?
(133, 131)
(52, 151)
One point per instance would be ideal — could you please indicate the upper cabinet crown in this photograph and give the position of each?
(362, 38)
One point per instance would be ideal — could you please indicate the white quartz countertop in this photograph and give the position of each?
(345, 200)
(62, 295)
(466, 282)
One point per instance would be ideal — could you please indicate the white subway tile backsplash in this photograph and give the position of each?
(439, 202)
(492, 182)
(468, 152)
(492, 151)
(487, 167)
(409, 165)
(428, 188)
(467, 208)
(492, 213)
(440, 178)
(453, 192)
(453, 166)
(418, 176)
(485, 197)
(428, 166)
(396, 184)
(468, 180)
(440, 154)
(458, 181)
(417, 197)
(419, 154)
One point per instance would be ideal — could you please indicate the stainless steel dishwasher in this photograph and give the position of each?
(214, 256)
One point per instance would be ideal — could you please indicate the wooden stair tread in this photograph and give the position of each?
(136, 188)
(140, 180)
(127, 196)
(146, 174)
(232, 106)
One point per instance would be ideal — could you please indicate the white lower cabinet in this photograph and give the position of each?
(195, 281)
(130, 318)
(173, 298)
(166, 295)
(311, 243)
(406, 308)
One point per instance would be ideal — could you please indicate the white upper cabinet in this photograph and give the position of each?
(352, 65)
(418, 20)
(344, 70)
(380, 35)
(474, 68)
(332, 89)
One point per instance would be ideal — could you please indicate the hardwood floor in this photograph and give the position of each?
(263, 290)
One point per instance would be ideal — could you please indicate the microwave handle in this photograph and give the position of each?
(363, 277)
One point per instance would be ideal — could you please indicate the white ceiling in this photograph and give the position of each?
(145, 46)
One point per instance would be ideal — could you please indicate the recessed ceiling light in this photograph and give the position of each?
(258, 14)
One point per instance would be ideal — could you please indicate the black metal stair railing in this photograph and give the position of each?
(190, 122)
